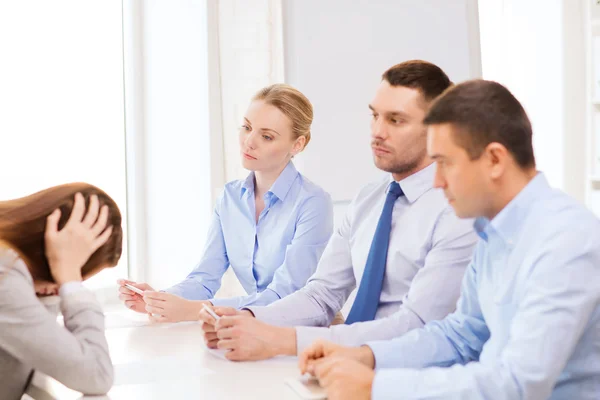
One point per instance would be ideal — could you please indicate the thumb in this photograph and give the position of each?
(225, 311)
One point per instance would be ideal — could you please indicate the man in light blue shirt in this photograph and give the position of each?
(399, 244)
(527, 324)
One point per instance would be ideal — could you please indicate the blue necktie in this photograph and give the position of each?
(367, 297)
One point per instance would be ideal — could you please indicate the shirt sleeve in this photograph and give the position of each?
(561, 293)
(204, 281)
(77, 356)
(432, 295)
(70, 287)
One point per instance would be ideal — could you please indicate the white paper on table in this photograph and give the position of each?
(159, 369)
(219, 353)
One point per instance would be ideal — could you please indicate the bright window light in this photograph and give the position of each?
(61, 101)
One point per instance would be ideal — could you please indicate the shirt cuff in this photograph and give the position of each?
(380, 350)
(227, 302)
(306, 335)
(70, 287)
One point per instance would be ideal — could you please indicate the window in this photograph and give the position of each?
(62, 101)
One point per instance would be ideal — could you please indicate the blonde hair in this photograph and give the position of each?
(293, 104)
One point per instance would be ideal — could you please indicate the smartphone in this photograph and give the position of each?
(307, 387)
(134, 289)
(211, 312)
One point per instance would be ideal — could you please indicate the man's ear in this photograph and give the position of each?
(497, 157)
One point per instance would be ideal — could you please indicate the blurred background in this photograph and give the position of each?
(144, 98)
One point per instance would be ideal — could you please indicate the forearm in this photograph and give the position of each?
(190, 289)
(262, 299)
(388, 328)
(420, 348)
(297, 309)
(86, 367)
(472, 381)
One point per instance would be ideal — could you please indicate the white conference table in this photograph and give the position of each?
(170, 361)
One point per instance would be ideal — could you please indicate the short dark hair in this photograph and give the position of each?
(424, 76)
(485, 112)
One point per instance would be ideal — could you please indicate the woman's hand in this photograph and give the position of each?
(131, 299)
(167, 307)
(69, 249)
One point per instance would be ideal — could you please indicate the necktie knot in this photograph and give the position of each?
(395, 190)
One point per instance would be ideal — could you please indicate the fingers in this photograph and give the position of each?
(155, 303)
(131, 303)
(92, 212)
(303, 360)
(225, 311)
(154, 310)
(323, 369)
(128, 297)
(227, 344)
(142, 286)
(208, 319)
(313, 352)
(100, 240)
(227, 333)
(208, 328)
(227, 322)
(52, 223)
(158, 318)
(235, 355)
(310, 367)
(124, 290)
(100, 224)
(158, 296)
(211, 340)
(78, 210)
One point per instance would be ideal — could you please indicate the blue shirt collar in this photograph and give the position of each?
(415, 185)
(509, 220)
(280, 187)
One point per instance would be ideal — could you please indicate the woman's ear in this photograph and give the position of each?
(298, 145)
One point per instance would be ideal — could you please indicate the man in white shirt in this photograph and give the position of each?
(400, 243)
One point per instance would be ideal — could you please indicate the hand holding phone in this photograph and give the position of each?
(131, 293)
(211, 312)
(134, 289)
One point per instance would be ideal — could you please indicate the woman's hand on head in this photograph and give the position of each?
(68, 249)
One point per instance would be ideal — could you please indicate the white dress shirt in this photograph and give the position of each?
(428, 253)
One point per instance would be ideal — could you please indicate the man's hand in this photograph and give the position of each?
(246, 338)
(208, 323)
(321, 349)
(167, 307)
(344, 379)
(69, 249)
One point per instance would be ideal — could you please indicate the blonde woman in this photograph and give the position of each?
(49, 242)
(271, 227)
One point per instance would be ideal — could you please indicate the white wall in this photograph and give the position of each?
(250, 57)
(168, 124)
(335, 52)
(535, 48)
